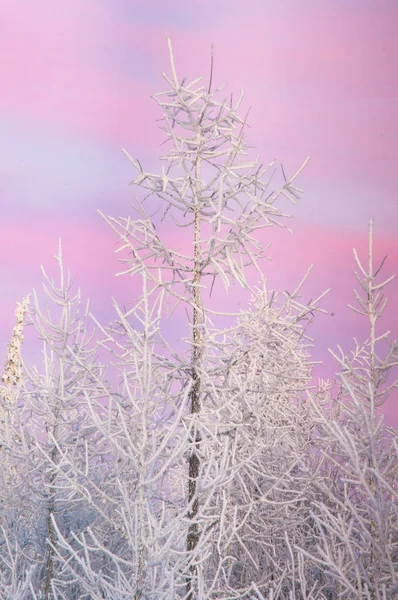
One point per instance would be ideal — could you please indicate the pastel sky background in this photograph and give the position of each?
(76, 80)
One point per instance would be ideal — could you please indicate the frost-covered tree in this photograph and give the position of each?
(48, 421)
(207, 443)
(15, 581)
(267, 502)
(357, 512)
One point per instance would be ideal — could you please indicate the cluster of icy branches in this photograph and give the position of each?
(132, 470)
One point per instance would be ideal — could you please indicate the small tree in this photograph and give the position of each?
(49, 421)
(357, 515)
(14, 453)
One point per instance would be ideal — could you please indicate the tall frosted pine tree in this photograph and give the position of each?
(207, 439)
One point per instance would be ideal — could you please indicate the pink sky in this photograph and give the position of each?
(320, 78)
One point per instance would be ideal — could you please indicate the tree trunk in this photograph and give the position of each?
(195, 408)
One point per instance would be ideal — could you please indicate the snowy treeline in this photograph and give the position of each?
(134, 470)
